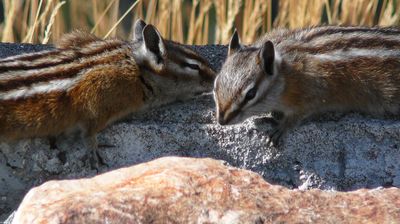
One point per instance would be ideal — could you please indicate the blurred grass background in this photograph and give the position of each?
(185, 21)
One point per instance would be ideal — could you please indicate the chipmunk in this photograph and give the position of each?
(299, 73)
(87, 83)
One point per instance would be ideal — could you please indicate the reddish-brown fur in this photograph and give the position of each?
(90, 104)
(86, 83)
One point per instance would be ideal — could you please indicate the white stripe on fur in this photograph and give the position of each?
(356, 52)
(39, 88)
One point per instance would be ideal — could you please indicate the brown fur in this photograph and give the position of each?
(318, 70)
(104, 81)
(90, 104)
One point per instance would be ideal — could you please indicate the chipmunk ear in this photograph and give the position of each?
(267, 57)
(154, 45)
(234, 44)
(138, 29)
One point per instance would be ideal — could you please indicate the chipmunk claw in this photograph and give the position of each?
(275, 137)
(94, 161)
(266, 120)
(52, 142)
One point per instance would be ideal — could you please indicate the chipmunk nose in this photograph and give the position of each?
(221, 119)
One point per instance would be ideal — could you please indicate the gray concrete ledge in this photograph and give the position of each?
(338, 152)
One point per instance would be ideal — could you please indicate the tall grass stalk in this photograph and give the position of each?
(187, 21)
(47, 32)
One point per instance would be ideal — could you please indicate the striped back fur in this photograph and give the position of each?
(306, 71)
(48, 93)
(60, 69)
(87, 82)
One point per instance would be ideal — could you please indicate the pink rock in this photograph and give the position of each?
(188, 190)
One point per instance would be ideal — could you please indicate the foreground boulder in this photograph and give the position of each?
(334, 152)
(188, 190)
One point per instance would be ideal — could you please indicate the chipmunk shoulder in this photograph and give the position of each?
(304, 72)
(87, 83)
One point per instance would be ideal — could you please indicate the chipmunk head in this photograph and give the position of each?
(177, 69)
(246, 85)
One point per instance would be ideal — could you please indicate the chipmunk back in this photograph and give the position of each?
(86, 83)
(308, 71)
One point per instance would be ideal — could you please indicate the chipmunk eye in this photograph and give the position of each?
(192, 66)
(251, 94)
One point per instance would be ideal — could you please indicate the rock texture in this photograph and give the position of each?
(334, 152)
(185, 190)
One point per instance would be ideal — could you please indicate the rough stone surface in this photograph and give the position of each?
(334, 152)
(11, 49)
(188, 190)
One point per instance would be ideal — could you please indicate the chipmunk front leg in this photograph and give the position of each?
(285, 123)
(52, 142)
(91, 143)
(92, 146)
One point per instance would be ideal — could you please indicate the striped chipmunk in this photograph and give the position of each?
(87, 83)
(299, 73)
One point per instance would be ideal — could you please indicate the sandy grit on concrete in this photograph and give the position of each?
(339, 152)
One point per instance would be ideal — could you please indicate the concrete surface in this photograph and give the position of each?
(337, 152)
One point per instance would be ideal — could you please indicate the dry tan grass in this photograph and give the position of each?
(295, 14)
(188, 21)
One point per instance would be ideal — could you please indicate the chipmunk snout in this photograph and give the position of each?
(220, 118)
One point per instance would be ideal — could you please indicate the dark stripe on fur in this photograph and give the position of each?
(345, 44)
(345, 30)
(76, 55)
(61, 73)
(146, 85)
(30, 56)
